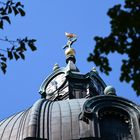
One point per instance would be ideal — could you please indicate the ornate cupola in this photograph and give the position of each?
(67, 82)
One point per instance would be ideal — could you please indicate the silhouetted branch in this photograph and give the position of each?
(19, 46)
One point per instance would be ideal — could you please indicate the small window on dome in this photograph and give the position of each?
(114, 124)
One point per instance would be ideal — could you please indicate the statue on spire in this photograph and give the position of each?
(71, 39)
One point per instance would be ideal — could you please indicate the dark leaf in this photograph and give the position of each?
(33, 40)
(13, 48)
(18, 4)
(9, 10)
(22, 46)
(1, 54)
(32, 46)
(26, 39)
(3, 67)
(10, 55)
(8, 2)
(18, 49)
(1, 24)
(1, 9)
(3, 12)
(15, 10)
(16, 56)
(21, 11)
(7, 19)
(4, 59)
(21, 55)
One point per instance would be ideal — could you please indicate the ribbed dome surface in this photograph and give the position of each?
(46, 120)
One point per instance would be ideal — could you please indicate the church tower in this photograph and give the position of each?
(74, 106)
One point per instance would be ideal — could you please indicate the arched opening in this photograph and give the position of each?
(114, 124)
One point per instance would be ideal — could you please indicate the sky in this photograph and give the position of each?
(46, 21)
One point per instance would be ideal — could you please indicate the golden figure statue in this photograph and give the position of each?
(71, 39)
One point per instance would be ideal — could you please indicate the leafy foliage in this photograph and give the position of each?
(18, 46)
(123, 39)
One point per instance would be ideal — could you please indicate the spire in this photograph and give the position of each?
(70, 52)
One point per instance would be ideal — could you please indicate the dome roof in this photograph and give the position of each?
(67, 119)
(47, 120)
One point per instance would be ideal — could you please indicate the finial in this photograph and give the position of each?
(110, 90)
(71, 38)
(56, 66)
(70, 52)
(94, 70)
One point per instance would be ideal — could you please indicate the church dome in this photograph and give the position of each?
(72, 119)
(74, 106)
(45, 120)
